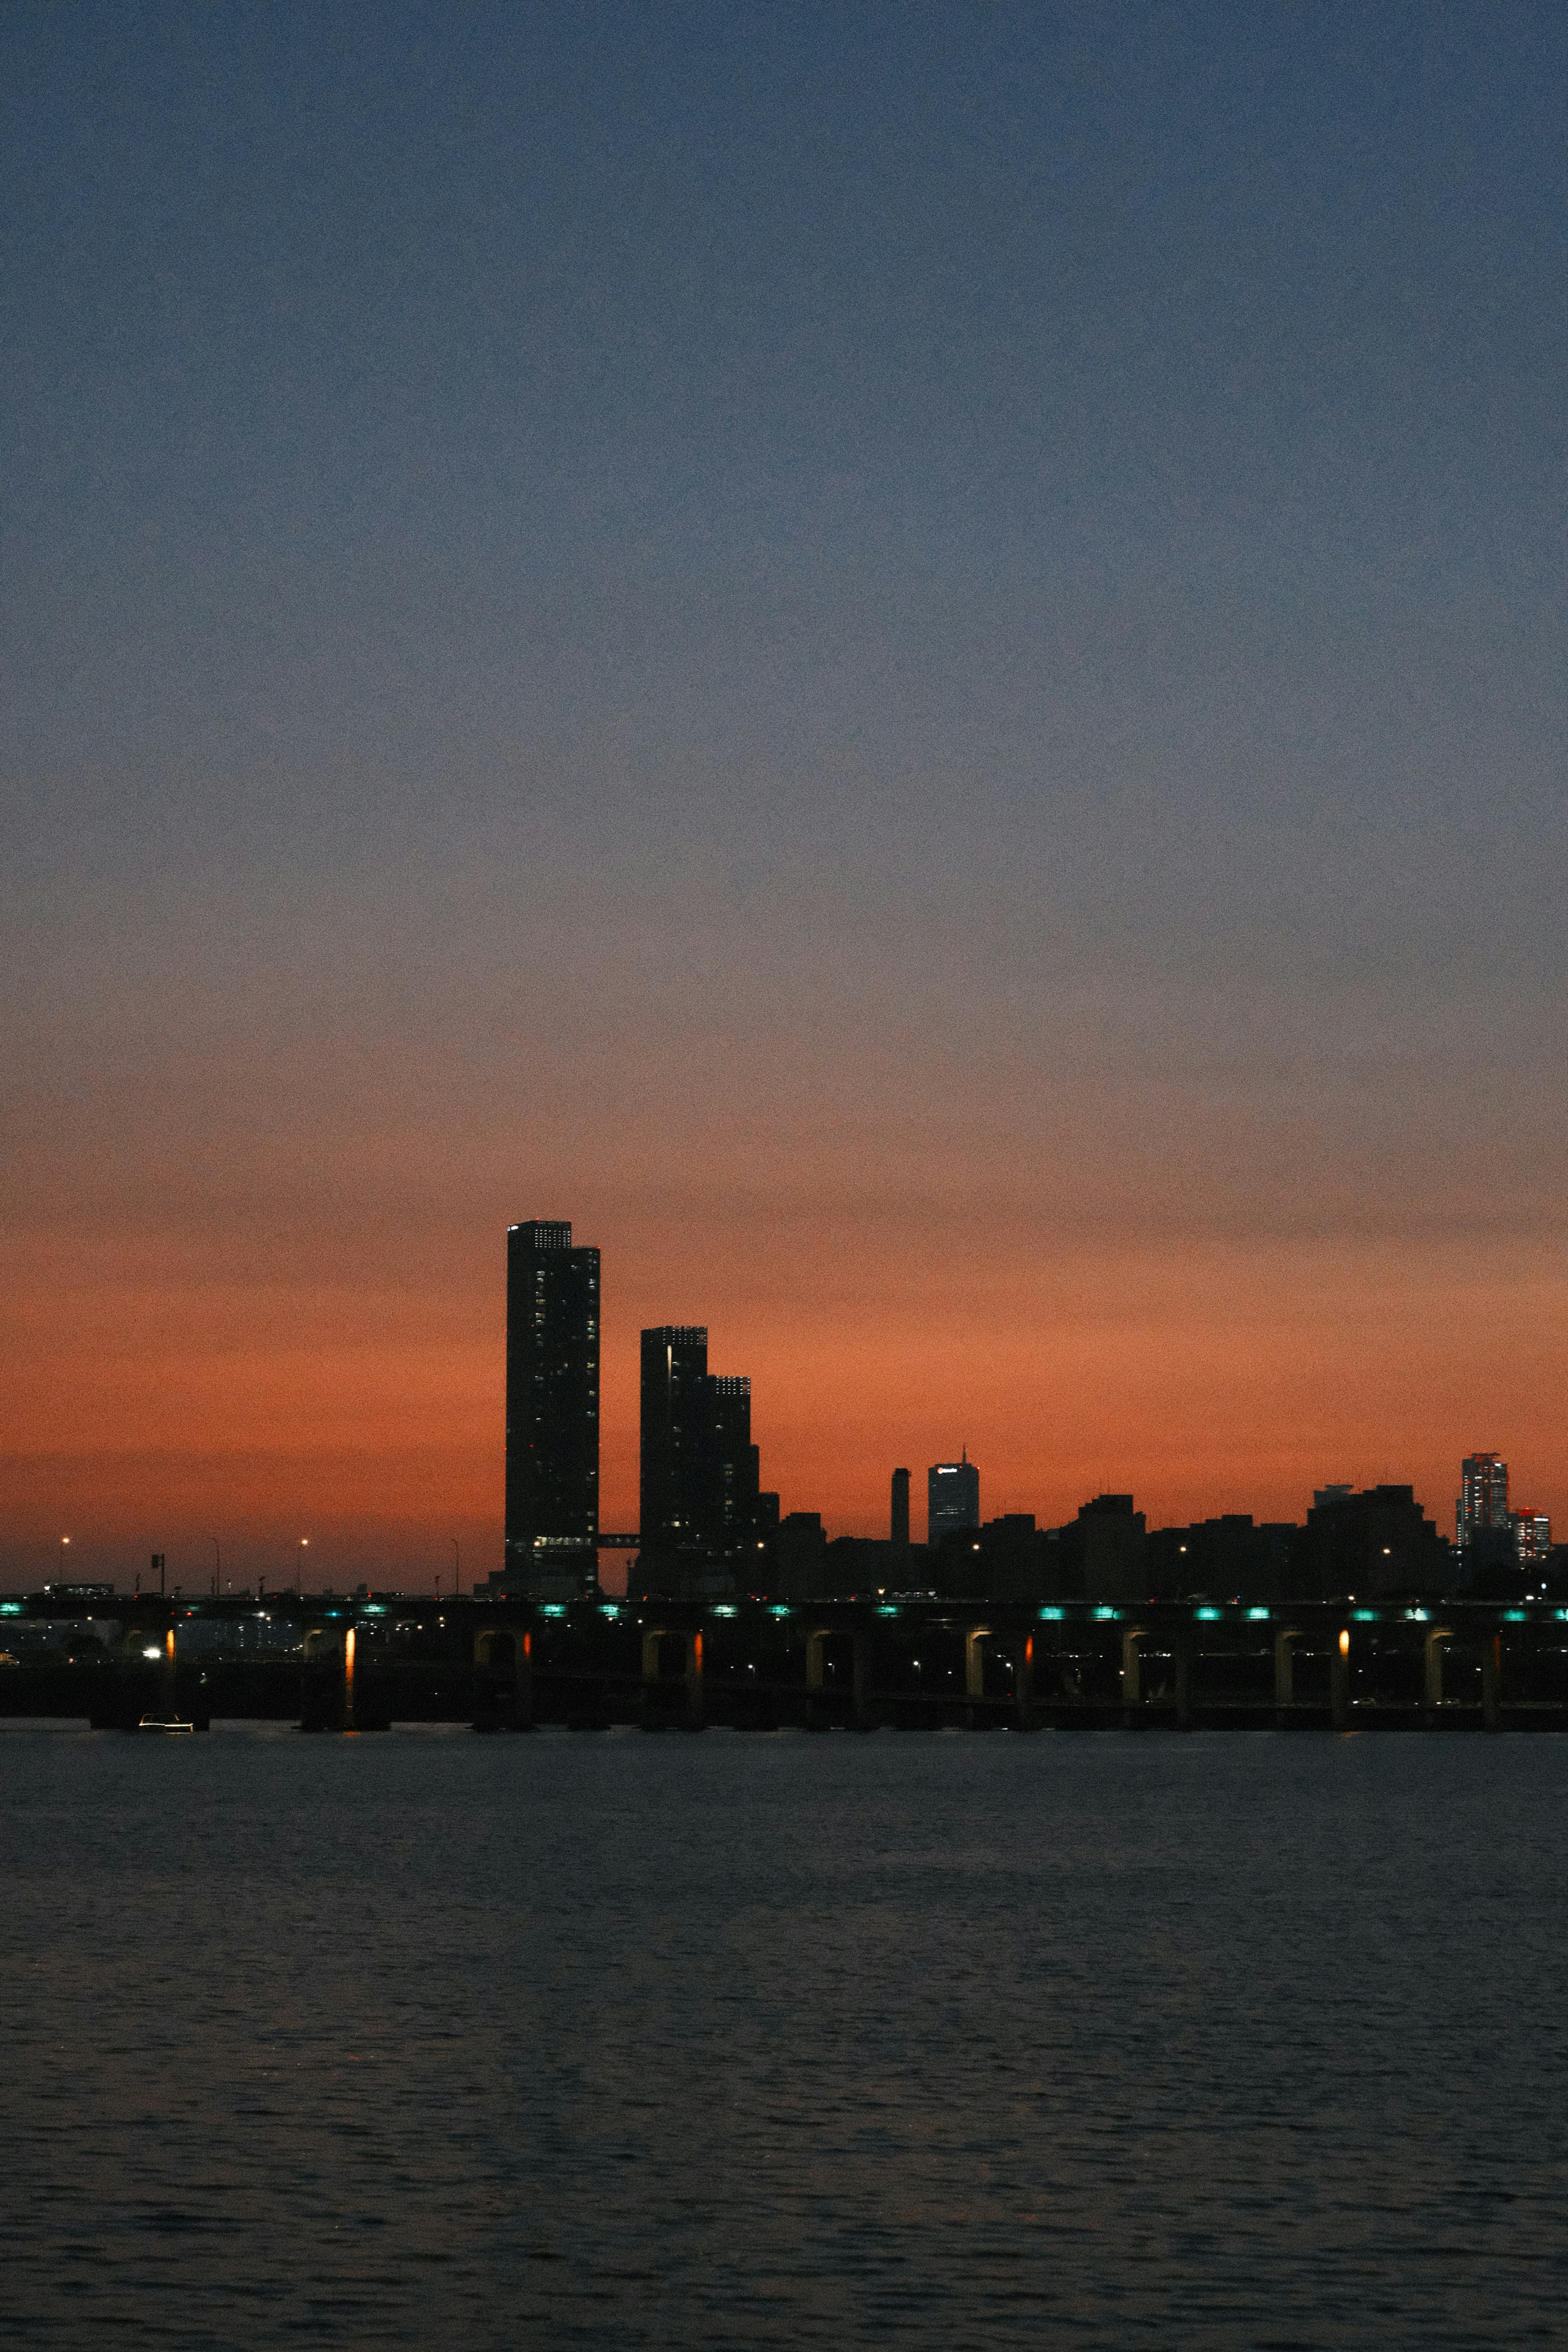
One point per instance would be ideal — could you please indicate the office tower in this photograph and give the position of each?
(952, 1498)
(673, 1466)
(900, 1510)
(701, 1511)
(1483, 1498)
(733, 1469)
(1532, 1536)
(552, 1411)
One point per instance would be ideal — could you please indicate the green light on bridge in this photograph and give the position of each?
(1207, 1616)
(778, 1610)
(721, 1608)
(1365, 1616)
(10, 1608)
(552, 1609)
(1259, 1616)
(610, 1609)
(1053, 1616)
(887, 1610)
(1416, 1616)
(1106, 1616)
(1516, 1616)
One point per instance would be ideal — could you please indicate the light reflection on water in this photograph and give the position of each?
(1092, 2039)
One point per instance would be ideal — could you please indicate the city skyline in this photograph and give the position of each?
(915, 657)
(699, 1502)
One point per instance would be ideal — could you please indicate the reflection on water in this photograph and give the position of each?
(1090, 2039)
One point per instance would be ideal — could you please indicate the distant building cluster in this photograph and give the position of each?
(707, 1529)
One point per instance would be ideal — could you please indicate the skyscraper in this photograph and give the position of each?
(734, 1470)
(952, 1498)
(1483, 1498)
(552, 1411)
(900, 1511)
(698, 1500)
(672, 1462)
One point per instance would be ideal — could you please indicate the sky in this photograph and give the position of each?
(908, 659)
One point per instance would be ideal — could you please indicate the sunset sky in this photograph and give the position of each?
(908, 659)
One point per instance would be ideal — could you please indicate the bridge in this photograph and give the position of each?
(888, 1662)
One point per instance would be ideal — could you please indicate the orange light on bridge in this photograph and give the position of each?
(1345, 1642)
(349, 1657)
(169, 1645)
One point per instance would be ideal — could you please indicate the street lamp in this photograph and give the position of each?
(218, 1565)
(456, 1569)
(304, 1547)
(65, 1545)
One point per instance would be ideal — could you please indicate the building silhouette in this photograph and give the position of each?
(1483, 1498)
(900, 1511)
(700, 1514)
(731, 1496)
(800, 1557)
(1369, 1546)
(1228, 1558)
(674, 1375)
(553, 1314)
(1101, 1554)
(952, 1498)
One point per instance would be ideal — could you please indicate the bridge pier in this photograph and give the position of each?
(1491, 1683)
(865, 1719)
(325, 1704)
(1131, 1669)
(503, 1679)
(694, 1715)
(1181, 1661)
(1432, 1666)
(974, 1642)
(655, 1681)
(1284, 1642)
(1024, 1685)
(815, 1678)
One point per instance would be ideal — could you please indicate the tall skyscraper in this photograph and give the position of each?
(900, 1526)
(1483, 1496)
(699, 1499)
(952, 1498)
(674, 1412)
(733, 1469)
(553, 1314)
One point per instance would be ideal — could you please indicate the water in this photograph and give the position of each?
(934, 2040)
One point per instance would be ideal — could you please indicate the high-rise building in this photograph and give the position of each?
(552, 1409)
(1532, 1536)
(700, 1506)
(734, 1467)
(952, 1498)
(1483, 1498)
(901, 1529)
(672, 1467)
